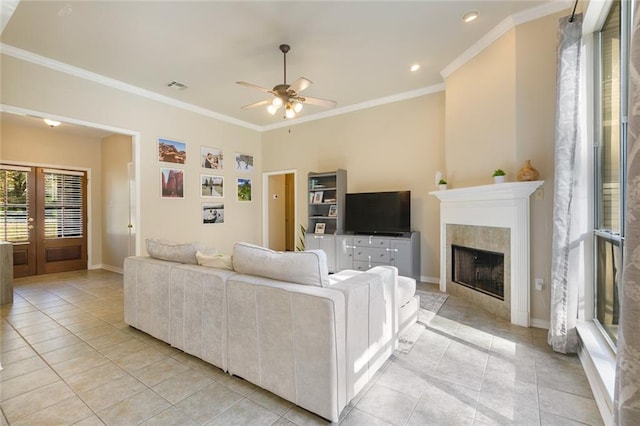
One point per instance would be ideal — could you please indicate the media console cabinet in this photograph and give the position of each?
(361, 252)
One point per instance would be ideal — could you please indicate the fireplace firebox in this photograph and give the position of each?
(480, 270)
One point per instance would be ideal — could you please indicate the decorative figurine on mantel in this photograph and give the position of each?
(528, 173)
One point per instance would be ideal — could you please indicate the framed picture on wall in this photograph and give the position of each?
(212, 213)
(244, 163)
(171, 183)
(171, 151)
(211, 158)
(244, 189)
(211, 186)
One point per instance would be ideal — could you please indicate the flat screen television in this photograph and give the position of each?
(384, 213)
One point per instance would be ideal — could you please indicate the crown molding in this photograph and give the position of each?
(116, 84)
(7, 7)
(360, 106)
(501, 29)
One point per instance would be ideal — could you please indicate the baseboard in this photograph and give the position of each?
(431, 280)
(92, 267)
(538, 323)
(112, 269)
(599, 364)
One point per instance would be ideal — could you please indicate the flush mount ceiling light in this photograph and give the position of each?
(415, 67)
(470, 16)
(51, 123)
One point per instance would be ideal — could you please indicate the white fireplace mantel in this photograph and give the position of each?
(503, 205)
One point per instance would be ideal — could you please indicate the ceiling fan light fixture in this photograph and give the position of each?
(277, 102)
(272, 110)
(470, 16)
(297, 107)
(289, 113)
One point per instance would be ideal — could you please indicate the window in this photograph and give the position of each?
(63, 204)
(14, 205)
(609, 170)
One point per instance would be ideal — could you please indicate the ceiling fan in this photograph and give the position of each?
(287, 95)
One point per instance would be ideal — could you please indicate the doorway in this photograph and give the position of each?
(43, 212)
(279, 224)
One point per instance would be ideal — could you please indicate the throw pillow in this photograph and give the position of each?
(300, 267)
(172, 251)
(220, 261)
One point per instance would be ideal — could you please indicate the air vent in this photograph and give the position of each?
(177, 85)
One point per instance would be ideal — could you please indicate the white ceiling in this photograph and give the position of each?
(355, 52)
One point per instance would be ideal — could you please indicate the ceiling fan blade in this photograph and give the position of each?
(257, 104)
(253, 86)
(317, 101)
(300, 84)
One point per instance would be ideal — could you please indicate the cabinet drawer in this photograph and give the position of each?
(371, 242)
(361, 265)
(373, 254)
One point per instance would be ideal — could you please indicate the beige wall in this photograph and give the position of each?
(481, 116)
(53, 147)
(116, 155)
(497, 111)
(398, 146)
(30, 86)
(500, 113)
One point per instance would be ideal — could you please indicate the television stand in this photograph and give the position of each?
(363, 252)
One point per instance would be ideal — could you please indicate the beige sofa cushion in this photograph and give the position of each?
(219, 260)
(173, 251)
(302, 267)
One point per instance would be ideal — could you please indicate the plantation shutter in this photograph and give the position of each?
(63, 204)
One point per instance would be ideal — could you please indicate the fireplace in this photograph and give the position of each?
(502, 207)
(480, 270)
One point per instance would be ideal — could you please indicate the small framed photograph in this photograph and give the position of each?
(211, 186)
(244, 189)
(211, 158)
(317, 197)
(171, 183)
(212, 213)
(320, 228)
(244, 163)
(170, 151)
(333, 210)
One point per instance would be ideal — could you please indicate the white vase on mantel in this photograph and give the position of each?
(498, 179)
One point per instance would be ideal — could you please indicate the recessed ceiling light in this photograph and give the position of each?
(415, 67)
(51, 123)
(470, 16)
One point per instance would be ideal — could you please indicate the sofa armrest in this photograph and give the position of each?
(369, 325)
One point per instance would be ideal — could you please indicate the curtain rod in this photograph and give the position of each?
(573, 14)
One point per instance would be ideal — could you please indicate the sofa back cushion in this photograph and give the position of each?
(302, 267)
(173, 251)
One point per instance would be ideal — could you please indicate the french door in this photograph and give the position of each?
(43, 213)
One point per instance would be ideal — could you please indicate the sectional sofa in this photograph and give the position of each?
(278, 320)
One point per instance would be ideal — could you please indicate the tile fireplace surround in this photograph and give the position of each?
(503, 205)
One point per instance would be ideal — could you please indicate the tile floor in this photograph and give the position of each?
(69, 358)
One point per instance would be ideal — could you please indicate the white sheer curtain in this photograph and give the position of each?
(627, 392)
(564, 292)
